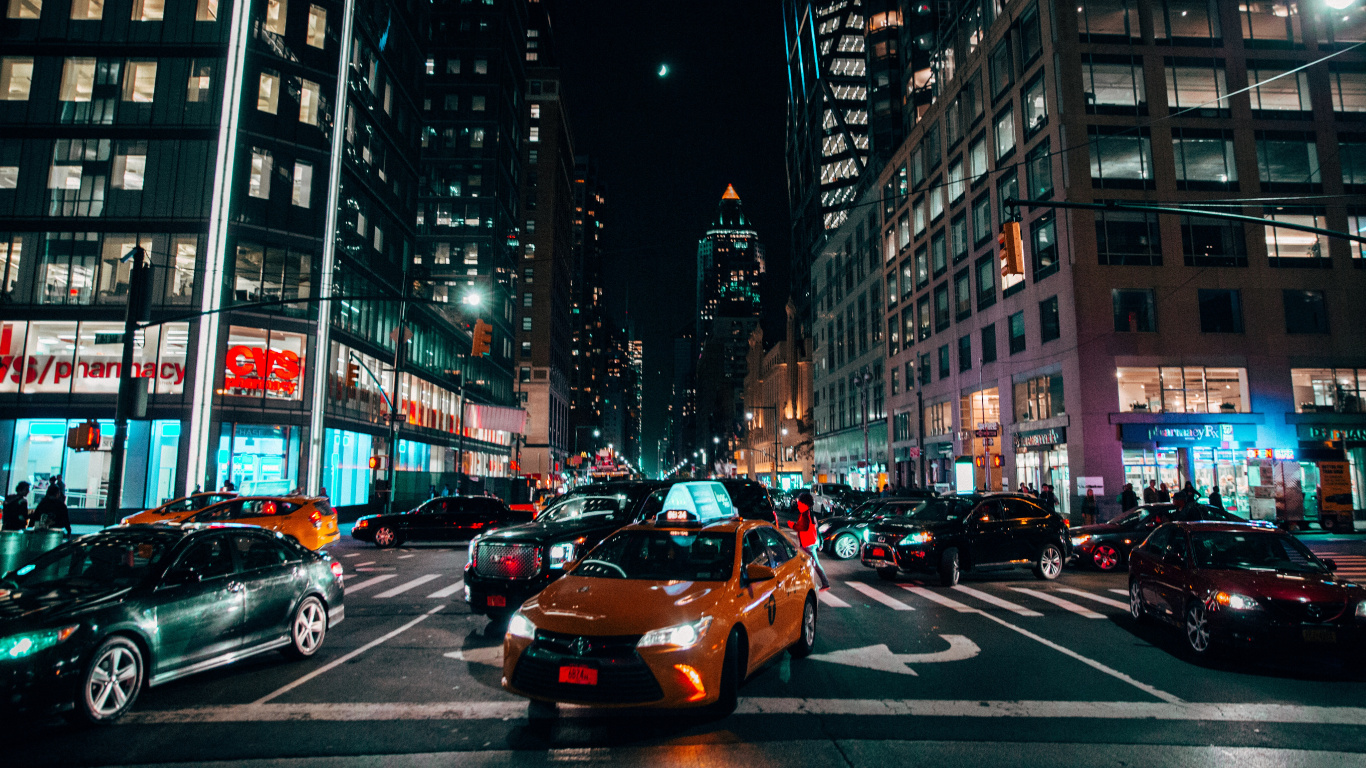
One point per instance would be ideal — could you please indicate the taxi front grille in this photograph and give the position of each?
(508, 561)
(587, 646)
(622, 679)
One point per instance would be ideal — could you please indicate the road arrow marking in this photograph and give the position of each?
(492, 655)
(881, 658)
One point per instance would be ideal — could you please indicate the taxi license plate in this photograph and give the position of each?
(497, 601)
(579, 675)
(1320, 636)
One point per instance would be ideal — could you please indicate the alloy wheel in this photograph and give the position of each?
(384, 537)
(1105, 557)
(1136, 608)
(846, 546)
(1197, 627)
(113, 680)
(309, 627)
(1050, 562)
(809, 624)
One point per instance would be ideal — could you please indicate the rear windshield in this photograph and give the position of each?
(938, 511)
(583, 506)
(662, 556)
(97, 562)
(1253, 551)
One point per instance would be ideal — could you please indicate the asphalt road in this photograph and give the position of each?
(1001, 670)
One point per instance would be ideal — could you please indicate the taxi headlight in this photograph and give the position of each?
(521, 626)
(19, 646)
(562, 553)
(678, 637)
(923, 537)
(1077, 541)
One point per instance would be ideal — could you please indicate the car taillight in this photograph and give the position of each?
(362, 524)
(315, 518)
(336, 569)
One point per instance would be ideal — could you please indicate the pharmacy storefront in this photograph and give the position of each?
(1041, 459)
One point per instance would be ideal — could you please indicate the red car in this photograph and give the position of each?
(1239, 583)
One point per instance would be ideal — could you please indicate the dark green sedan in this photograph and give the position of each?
(84, 627)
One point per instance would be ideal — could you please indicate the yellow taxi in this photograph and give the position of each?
(675, 612)
(311, 521)
(178, 509)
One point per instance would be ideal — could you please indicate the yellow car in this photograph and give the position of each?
(671, 613)
(311, 521)
(178, 509)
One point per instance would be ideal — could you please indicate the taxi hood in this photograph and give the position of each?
(595, 606)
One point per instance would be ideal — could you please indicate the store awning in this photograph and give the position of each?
(496, 418)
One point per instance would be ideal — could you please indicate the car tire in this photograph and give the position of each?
(806, 633)
(844, 546)
(111, 682)
(949, 572)
(728, 692)
(1106, 558)
(1195, 626)
(307, 629)
(386, 537)
(1138, 610)
(887, 574)
(1048, 563)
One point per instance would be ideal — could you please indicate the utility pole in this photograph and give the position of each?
(132, 391)
(391, 470)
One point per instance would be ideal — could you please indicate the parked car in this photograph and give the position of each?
(446, 518)
(309, 521)
(1240, 583)
(1105, 546)
(825, 496)
(178, 509)
(842, 535)
(957, 534)
(85, 627)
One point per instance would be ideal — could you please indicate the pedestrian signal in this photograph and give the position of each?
(481, 339)
(996, 460)
(980, 461)
(84, 436)
(1012, 249)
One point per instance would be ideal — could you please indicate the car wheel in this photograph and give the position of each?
(844, 546)
(729, 690)
(111, 682)
(806, 638)
(308, 629)
(1049, 563)
(1197, 628)
(1137, 609)
(888, 573)
(1105, 557)
(949, 572)
(386, 537)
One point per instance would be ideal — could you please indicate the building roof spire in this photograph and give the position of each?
(730, 193)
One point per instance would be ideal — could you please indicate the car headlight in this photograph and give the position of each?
(923, 537)
(1235, 601)
(19, 646)
(562, 553)
(680, 636)
(1077, 541)
(822, 528)
(1361, 610)
(521, 626)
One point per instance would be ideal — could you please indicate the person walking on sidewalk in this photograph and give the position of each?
(51, 512)
(806, 534)
(1088, 507)
(15, 515)
(1150, 492)
(1127, 498)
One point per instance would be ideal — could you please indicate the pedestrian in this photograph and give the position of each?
(1216, 499)
(1164, 496)
(1191, 493)
(51, 512)
(1179, 500)
(1150, 492)
(1088, 507)
(1049, 498)
(1127, 498)
(323, 492)
(431, 493)
(446, 489)
(806, 535)
(15, 515)
(228, 487)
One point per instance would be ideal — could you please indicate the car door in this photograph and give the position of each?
(759, 600)
(199, 605)
(1026, 527)
(271, 576)
(988, 534)
(267, 513)
(791, 596)
(426, 523)
(1146, 558)
(463, 519)
(1169, 575)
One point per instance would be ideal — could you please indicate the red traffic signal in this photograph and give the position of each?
(379, 462)
(84, 436)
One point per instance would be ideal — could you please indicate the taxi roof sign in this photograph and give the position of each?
(703, 500)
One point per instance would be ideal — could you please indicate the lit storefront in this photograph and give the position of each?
(1041, 459)
(1205, 454)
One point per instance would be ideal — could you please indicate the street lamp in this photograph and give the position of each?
(777, 449)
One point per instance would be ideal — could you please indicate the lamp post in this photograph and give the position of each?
(132, 391)
(777, 438)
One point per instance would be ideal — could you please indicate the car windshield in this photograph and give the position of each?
(937, 511)
(1253, 551)
(662, 556)
(107, 561)
(583, 506)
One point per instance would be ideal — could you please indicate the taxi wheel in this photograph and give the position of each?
(729, 690)
(806, 636)
(386, 537)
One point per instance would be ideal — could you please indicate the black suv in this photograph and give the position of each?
(972, 532)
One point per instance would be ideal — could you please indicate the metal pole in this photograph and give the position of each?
(392, 469)
(460, 439)
(129, 398)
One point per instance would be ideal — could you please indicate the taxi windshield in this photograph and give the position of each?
(582, 506)
(662, 556)
(1253, 551)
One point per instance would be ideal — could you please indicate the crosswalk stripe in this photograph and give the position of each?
(1096, 598)
(996, 601)
(890, 602)
(1061, 603)
(370, 582)
(362, 565)
(353, 554)
(1124, 592)
(831, 600)
(404, 587)
(447, 591)
(405, 557)
(935, 597)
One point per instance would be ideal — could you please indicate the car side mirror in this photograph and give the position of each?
(1329, 563)
(755, 572)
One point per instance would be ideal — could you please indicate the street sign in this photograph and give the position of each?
(988, 442)
(987, 432)
(881, 658)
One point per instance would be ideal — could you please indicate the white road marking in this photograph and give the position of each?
(868, 591)
(881, 658)
(370, 582)
(1085, 613)
(491, 655)
(367, 562)
(407, 585)
(1096, 598)
(1124, 592)
(353, 554)
(996, 601)
(947, 602)
(447, 591)
(405, 557)
(515, 710)
(831, 600)
(343, 659)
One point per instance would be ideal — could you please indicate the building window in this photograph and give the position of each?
(1039, 172)
(526, 323)
(938, 253)
(1176, 389)
(922, 311)
(1049, 325)
(533, 134)
(982, 231)
(78, 79)
(944, 367)
(999, 69)
(310, 95)
(317, 27)
(962, 295)
(1349, 89)
(965, 353)
(481, 66)
(303, 184)
(276, 11)
(957, 183)
(1305, 312)
(1008, 188)
(1113, 86)
(958, 231)
(921, 219)
(526, 349)
(25, 9)
(1191, 21)
(925, 369)
(268, 92)
(1276, 93)
(149, 10)
(895, 385)
(1352, 157)
(478, 103)
(1197, 88)
(908, 328)
(1120, 158)
(452, 66)
(1213, 242)
(1204, 159)
(1044, 245)
(986, 282)
(9, 179)
(907, 283)
(938, 419)
(83, 10)
(1031, 37)
(1298, 248)
(941, 307)
(893, 338)
(1268, 25)
(989, 344)
(1329, 390)
(1134, 311)
(1004, 131)
(1039, 398)
(259, 182)
(130, 165)
(1220, 311)
(922, 267)
(1128, 238)
(1288, 161)
(197, 89)
(16, 78)
(1035, 106)
(1017, 333)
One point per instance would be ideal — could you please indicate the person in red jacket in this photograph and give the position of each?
(807, 534)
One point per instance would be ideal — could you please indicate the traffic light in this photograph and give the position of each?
(84, 436)
(379, 462)
(1012, 249)
(352, 375)
(996, 460)
(481, 339)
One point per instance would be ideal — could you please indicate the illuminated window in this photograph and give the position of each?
(481, 66)
(16, 78)
(1188, 389)
(87, 10)
(139, 81)
(303, 184)
(477, 103)
(198, 86)
(78, 80)
(276, 11)
(259, 182)
(130, 165)
(149, 10)
(1328, 390)
(533, 134)
(309, 95)
(206, 10)
(317, 27)
(268, 92)
(25, 9)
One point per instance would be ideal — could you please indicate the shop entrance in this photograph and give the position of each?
(259, 459)
(1046, 467)
(1226, 470)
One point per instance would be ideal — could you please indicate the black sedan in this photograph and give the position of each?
(449, 518)
(842, 535)
(1106, 546)
(84, 627)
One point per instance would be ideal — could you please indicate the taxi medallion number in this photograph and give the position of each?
(579, 675)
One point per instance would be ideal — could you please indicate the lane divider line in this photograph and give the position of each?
(1085, 613)
(407, 585)
(1096, 598)
(447, 591)
(347, 657)
(996, 601)
(373, 580)
(868, 591)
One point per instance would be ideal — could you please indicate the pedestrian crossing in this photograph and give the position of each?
(1349, 566)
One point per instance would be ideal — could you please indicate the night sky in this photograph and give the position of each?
(667, 148)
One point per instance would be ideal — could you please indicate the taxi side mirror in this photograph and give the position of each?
(755, 572)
